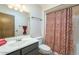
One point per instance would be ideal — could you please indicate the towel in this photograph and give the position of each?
(2, 41)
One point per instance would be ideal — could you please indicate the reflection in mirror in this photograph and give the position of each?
(13, 22)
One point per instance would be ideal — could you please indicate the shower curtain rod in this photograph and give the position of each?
(60, 7)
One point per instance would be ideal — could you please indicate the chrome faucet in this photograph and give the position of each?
(18, 39)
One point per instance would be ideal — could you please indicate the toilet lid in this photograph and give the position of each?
(44, 47)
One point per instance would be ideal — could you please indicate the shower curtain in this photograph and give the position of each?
(59, 31)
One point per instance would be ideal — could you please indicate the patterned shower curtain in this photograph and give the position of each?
(59, 31)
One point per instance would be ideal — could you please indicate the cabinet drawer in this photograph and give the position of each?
(29, 48)
(15, 53)
(34, 52)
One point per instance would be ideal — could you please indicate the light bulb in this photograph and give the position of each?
(24, 7)
(21, 10)
(15, 8)
(10, 6)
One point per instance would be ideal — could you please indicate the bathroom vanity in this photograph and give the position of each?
(27, 46)
(27, 50)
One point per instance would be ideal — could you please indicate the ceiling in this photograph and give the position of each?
(48, 6)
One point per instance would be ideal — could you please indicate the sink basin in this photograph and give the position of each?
(17, 43)
(11, 42)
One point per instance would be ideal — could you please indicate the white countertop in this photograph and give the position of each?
(15, 45)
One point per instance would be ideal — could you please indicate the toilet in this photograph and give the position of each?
(43, 48)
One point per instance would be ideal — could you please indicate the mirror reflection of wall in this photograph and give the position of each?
(20, 19)
(19, 24)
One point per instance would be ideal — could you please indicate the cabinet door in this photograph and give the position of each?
(0, 33)
(34, 52)
(1, 27)
(6, 25)
(15, 53)
(30, 48)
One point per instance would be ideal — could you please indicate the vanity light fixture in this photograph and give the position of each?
(19, 7)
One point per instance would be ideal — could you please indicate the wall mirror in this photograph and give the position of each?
(13, 21)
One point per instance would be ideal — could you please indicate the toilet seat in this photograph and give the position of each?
(44, 47)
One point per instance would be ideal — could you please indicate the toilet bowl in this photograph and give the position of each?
(43, 48)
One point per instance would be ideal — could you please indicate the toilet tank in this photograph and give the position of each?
(40, 39)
